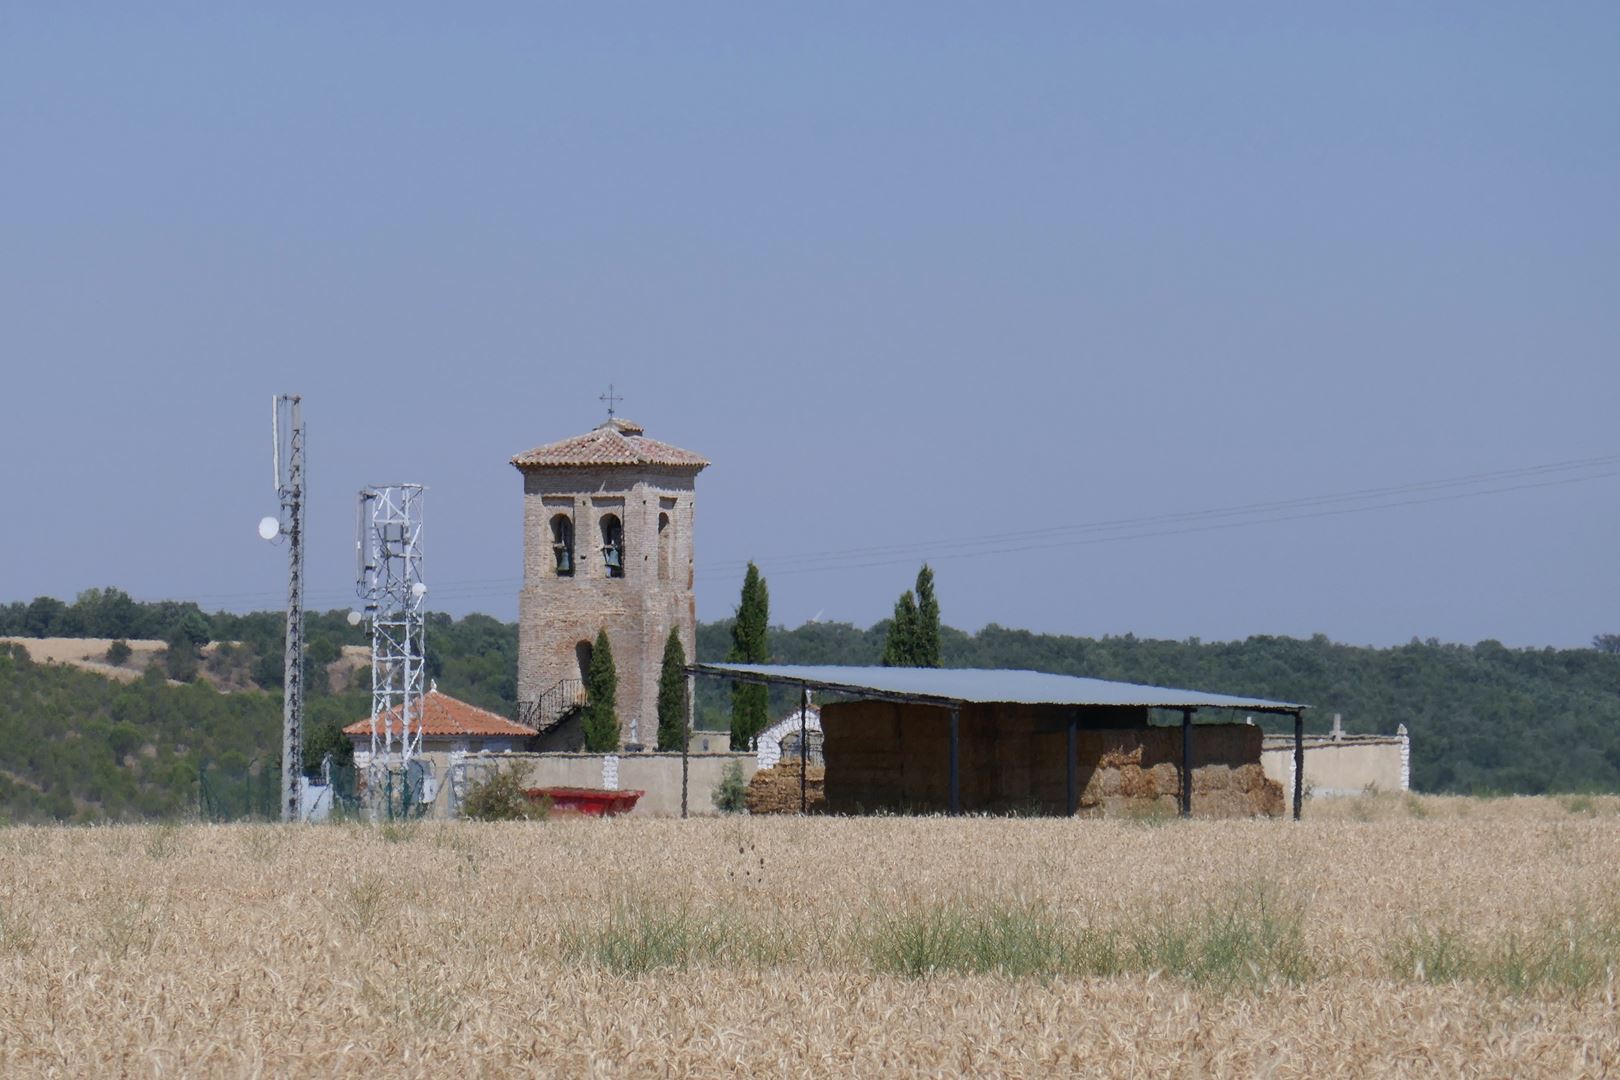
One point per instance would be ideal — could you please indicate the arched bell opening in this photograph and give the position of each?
(562, 545)
(613, 545)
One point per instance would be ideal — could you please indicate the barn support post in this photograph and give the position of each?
(1186, 762)
(804, 750)
(1299, 763)
(686, 742)
(1073, 764)
(956, 756)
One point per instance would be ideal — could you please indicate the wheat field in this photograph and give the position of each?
(1390, 936)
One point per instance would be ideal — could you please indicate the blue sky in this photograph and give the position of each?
(908, 274)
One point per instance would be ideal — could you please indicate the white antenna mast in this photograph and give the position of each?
(389, 580)
(286, 415)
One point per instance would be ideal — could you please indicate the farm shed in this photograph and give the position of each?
(961, 739)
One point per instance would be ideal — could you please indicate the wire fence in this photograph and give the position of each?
(249, 794)
(253, 793)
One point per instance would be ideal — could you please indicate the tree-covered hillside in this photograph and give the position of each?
(75, 746)
(1482, 717)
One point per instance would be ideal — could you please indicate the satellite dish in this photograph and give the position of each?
(419, 590)
(354, 618)
(269, 528)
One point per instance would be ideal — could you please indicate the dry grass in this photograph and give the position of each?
(1436, 937)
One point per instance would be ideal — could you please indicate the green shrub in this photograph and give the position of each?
(731, 795)
(1252, 935)
(180, 661)
(1574, 953)
(500, 796)
(1016, 940)
(119, 652)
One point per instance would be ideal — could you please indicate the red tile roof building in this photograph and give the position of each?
(445, 717)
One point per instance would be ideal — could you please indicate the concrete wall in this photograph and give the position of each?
(557, 614)
(888, 756)
(1348, 765)
(659, 775)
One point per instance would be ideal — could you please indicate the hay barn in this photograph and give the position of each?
(997, 741)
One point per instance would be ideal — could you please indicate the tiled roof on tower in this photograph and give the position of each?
(614, 442)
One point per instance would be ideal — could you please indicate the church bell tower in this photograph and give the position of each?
(607, 545)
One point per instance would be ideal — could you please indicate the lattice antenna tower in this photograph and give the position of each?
(287, 448)
(389, 580)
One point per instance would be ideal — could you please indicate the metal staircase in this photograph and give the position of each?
(552, 706)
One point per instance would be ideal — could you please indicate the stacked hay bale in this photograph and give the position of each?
(1128, 780)
(1013, 759)
(776, 790)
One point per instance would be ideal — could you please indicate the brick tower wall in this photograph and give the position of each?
(556, 614)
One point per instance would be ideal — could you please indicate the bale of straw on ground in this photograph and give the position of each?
(776, 790)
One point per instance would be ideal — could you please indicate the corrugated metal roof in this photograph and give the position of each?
(987, 685)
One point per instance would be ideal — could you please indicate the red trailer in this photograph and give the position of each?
(596, 802)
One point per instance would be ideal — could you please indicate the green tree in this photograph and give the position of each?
(913, 637)
(180, 661)
(750, 704)
(601, 720)
(44, 617)
(925, 652)
(901, 645)
(325, 736)
(192, 628)
(672, 694)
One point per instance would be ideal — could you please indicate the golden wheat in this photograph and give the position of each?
(1399, 936)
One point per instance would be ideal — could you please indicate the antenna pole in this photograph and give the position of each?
(390, 582)
(292, 683)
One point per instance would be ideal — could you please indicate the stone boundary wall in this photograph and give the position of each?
(1348, 765)
(657, 774)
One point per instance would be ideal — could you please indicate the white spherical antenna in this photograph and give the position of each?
(419, 590)
(269, 528)
(354, 618)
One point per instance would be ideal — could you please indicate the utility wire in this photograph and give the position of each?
(992, 540)
(1362, 500)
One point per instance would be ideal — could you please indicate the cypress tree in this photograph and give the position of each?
(750, 704)
(926, 652)
(900, 647)
(601, 720)
(672, 694)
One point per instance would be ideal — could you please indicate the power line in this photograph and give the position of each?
(781, 562)
(1244, 515)
(1212, 527)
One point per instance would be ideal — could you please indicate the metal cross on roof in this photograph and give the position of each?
(611, 398)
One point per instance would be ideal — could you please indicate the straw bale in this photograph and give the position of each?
(1120, 755)
(1166, 778)
(1266, 798)
(1221, 803)
(1211, 778)
(1104, 783)
(1249, 777)
(1134, 783)
(776, 790)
